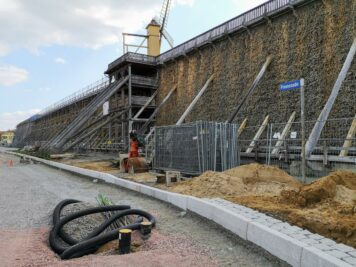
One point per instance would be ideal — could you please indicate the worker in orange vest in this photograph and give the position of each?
(133, 146)
(133, 153)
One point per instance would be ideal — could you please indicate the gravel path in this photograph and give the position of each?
(29, 192)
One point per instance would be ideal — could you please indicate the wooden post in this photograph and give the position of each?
(252, 88)
(258, 135)
(242, 127)
(195, 100)
(325, 153)
(348, 140)
(145, 105)
(284, 134)
(143, 129)
(319, 125)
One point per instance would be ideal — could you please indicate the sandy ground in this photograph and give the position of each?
(104, 163)
(326, 206)
(28, 194)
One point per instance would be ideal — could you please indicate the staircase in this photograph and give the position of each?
(60, 140)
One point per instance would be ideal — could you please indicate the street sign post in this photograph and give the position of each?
(292, 85)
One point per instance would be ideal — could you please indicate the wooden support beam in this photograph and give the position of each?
(195, 100)
(251, 89)
(258, 135)
(319, 125)
(284, 134)
(145, 105)
(144, 127)
(348, 141)
(98, 127)
(242, 127)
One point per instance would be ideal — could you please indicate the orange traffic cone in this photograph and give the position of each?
(11, 163)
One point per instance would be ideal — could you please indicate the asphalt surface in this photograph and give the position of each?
(29, 192)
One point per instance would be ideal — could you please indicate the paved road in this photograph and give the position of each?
(29, 192)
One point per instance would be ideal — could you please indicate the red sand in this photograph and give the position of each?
(29, 248)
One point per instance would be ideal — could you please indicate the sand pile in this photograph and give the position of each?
(212, 184)
(257, 173)
(326, 207)
(339, 186)
(249, 179)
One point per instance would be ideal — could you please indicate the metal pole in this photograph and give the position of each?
(302, 116)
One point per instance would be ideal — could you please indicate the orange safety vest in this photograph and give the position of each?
(133, 149)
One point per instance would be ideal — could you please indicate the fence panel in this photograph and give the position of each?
(196, 147)
(285, 151)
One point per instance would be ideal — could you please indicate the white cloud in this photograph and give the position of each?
(9, 120)
(33, 24)
(60, 60)
(10, 75)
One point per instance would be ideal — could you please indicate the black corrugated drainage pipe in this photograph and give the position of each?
(96, 238)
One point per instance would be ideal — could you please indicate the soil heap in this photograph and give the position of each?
(252, 179)
(326, 206)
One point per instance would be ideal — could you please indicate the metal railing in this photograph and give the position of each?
(133, 57)
(87, 91)
(272, 148)
(242, 21)
(233, 25)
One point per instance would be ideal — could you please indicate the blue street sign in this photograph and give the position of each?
(290, 85)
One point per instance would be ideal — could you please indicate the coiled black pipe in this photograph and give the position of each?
(95, 239)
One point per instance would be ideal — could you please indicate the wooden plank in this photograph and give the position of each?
(145, 105)
(348, 140)
(195, 100)
(284, 134)
(258, 135)
(98, 127)
(319, 125)
(251, 89)
(143, 129)
(242, 127)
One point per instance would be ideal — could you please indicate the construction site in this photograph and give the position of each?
(234, 148)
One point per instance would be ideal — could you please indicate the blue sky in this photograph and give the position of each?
(50, 49)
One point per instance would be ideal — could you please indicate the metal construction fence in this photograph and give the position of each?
(197, 147)
(280, 145)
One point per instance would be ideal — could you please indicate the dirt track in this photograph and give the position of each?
(30, 192)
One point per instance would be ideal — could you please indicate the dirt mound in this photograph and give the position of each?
(326, 207)
(257, 173)
(212, 184)
(339, 186)
(250, 179)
